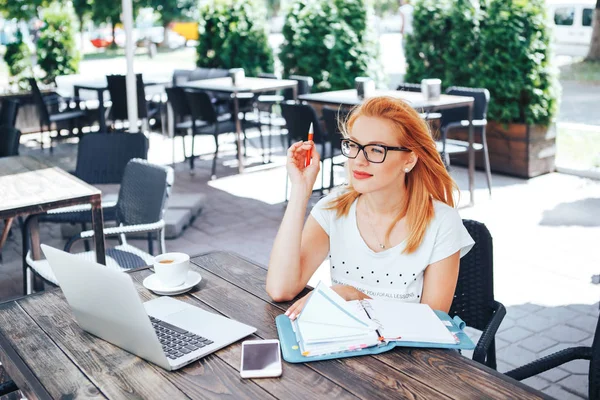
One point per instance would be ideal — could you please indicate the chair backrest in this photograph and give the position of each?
(267, 75)
(38, 99)
(177, 98)
(143, 193)
(305, 84)
(117, 87)
(298, 118)
(333, 118)
(9, 141)
(594, 377)
(201, 106)
(103, 157)
(8, 112)
(474, 294)
(409, 87)
(181, 76)
(482, 98)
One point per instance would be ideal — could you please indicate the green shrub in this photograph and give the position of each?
(331, 42)
(17, 57)
(502, 45)
(56, 48)
(233, 35)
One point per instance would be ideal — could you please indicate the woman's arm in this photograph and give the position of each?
(297, 252)
(439, 283)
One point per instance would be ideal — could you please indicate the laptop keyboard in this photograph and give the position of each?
(177, 342)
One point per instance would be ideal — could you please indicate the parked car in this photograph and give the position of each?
(572, 26)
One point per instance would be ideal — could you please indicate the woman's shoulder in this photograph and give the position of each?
(326, 201)
(444, 212)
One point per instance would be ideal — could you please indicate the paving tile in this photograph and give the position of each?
(537, 343)
(554, 349)
(536, 323)
(516, 355)
(591, 309)
(514, 334)
(516, 312)
(506, 324)
(528, 307)
(559, 393)
(562, 313)
(577, 367)
(578, 384)
(584, 322)
(554, 374)
(564, 333)
(503, 366)
(537, 383)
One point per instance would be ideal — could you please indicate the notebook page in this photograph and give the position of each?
(408, 322)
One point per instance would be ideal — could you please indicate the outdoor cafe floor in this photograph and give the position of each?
(545, 233)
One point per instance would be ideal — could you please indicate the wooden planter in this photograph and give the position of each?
(515, 149)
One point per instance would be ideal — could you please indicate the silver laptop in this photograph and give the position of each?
(164, 331)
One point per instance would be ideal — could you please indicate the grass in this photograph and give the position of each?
(578, 146)
(582, 71)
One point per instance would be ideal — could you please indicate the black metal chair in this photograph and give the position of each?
(117, 88)
(7, 388)
(60, 113)
(139, 209)
(101, 159)
(8, 112)
(333, 119)
(9, 141)
(305, 84)
(203, 109)
(298, 118)
(458, 118)
(564, 356)
(474, 299)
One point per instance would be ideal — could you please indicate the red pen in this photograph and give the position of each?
(310, 137)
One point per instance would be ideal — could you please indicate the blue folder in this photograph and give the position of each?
(291, 350)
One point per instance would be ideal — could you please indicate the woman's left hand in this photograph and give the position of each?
(345, 291)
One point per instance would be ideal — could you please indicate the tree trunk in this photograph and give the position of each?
(594, 53)
(113, 45)
(81, 34)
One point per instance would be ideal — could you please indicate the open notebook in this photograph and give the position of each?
(329, 324)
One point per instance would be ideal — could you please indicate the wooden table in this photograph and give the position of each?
(28, 186)
(349, 98)
(248, 85)
(49, 356)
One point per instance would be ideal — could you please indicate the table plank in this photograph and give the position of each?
(114, 371)
(249, 84)
(296, 377)
(43, 356)
(361, 377)
(252, 278)
(26, 182)
(416, 100)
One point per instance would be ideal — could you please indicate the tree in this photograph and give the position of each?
(83, 8)
(172, 10)
(594, 53)
(110, 11)
(21, 9)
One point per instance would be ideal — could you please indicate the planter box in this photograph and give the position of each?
(519, 150)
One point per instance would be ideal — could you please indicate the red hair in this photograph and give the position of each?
(427, 181)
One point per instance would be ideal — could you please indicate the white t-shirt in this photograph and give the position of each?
(407, 12)
(389, 274)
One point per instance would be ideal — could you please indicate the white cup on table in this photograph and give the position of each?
(172, 268)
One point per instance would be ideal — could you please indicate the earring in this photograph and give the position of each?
(406, 170)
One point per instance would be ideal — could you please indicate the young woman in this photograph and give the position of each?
(391, 233)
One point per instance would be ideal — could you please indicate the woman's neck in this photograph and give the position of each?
(386, 202)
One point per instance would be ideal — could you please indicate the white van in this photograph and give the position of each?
(572, 26)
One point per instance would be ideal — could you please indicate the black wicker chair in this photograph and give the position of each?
(101, 159)
(9, 112)
(561, 357)
(458, 118)
(54, 111)
(474, 299)
(333, 118)
(117, 87)
(9, 141)
(139, 209)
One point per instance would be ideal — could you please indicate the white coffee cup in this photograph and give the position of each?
(172, 268)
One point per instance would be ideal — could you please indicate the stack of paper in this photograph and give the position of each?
(329, 324)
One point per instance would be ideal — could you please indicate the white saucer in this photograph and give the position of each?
(153, 283)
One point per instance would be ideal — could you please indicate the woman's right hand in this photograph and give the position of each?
(303, 177)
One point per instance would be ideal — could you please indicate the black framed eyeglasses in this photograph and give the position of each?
(374, 153)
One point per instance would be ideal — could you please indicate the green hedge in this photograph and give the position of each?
(502, 45)
(331, 42)
(56, 48)
(233, 35)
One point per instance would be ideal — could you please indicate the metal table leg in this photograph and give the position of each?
(98, 227)
(471, 157)
(238, 133)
